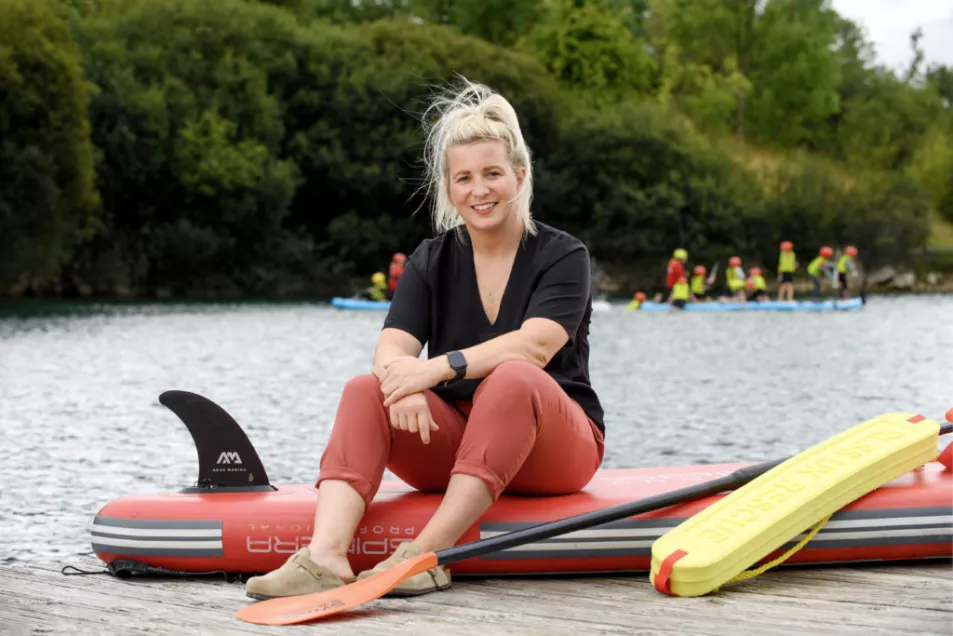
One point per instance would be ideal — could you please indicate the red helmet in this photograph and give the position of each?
(755, 271)
(826, 252)
(640, 296)
(699, 270)
(851, 250)
(787, 246)
(399, 257)
(734, 261)
(682, 279)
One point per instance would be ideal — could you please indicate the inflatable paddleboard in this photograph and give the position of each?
(235, 520)
(731, 535)
(383, 305)
(360, 304)
(767, 305)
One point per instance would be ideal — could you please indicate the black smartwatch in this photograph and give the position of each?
(459, 364)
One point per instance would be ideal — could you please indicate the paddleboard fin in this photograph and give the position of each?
(227, 460)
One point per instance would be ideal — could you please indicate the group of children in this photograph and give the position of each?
(753, 286)
(383, 286)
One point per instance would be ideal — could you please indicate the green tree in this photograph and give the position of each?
(501, 22)
(706, 87)
(47, 198)
(354, 131)
(784, 48)
(589, 50)
(190, 129)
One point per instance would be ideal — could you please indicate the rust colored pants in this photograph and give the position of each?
(521, 434)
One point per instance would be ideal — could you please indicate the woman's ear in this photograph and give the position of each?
(520, 176)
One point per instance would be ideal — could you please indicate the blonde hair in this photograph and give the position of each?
(474, 113)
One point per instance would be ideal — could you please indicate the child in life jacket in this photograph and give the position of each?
(636, 303)
(757, 286)
(681, 293)
(735, 278)
(819, 267)
(698, 284)
(787, 264)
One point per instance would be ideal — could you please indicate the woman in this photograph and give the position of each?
(503, 403)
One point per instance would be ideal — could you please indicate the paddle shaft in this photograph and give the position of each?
(542, 531)
(598, 517)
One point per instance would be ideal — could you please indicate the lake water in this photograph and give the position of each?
(81, 423)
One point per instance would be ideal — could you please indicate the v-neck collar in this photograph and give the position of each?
(514, 271)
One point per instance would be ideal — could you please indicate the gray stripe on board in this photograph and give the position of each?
(671, 522)
(148, 537)
(169, 552)
(925, 529)
(636, 550)
(158, 523)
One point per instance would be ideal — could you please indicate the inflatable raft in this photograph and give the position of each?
(360, 304)
(235, 520)
(383, 305)
(767, 305)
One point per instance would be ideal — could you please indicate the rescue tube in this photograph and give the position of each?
(360, 304)
(729, 536)
(234, 520)
(766, 305)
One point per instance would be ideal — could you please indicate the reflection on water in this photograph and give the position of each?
(81, 422)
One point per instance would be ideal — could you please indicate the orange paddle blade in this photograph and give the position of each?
(309, 607)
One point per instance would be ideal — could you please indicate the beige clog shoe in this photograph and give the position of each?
(298, 575)
(430, 581)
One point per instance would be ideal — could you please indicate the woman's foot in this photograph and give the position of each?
(432, 580)
(336, 563)
(298, 575)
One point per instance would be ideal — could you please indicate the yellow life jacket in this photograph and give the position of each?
(634, 305)
(698, 285)
(734, 281)
(758, 283)
(378, 293)
(842, 263)
(814, 269)
(680, 291)
(786, 262)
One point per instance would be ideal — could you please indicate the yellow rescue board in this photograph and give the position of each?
(720, 542)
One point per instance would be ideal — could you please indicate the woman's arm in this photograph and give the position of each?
(392, 344)
(536, 342)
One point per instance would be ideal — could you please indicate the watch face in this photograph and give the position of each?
(457, 361)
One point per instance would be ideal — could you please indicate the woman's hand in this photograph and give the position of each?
(404, 376)
(412, 414)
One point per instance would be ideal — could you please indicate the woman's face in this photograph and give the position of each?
(483, 184)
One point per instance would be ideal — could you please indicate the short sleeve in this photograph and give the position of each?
(562, 293)
(410, 307)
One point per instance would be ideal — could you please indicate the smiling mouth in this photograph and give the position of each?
(483, 208)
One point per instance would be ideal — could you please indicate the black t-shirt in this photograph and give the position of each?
(438, 302)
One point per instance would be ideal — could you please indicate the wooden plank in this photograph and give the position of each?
(890, 598)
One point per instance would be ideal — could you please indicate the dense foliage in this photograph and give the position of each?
(182, 147)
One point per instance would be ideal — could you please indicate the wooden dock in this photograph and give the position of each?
(899, 598)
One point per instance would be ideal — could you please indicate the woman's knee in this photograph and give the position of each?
(515, 374)
(364, 386)
(361, 406)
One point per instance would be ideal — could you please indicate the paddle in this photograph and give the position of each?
(308, 607)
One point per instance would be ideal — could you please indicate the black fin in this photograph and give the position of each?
(227, 459)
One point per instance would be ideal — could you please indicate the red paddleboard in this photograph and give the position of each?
(235, 521)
